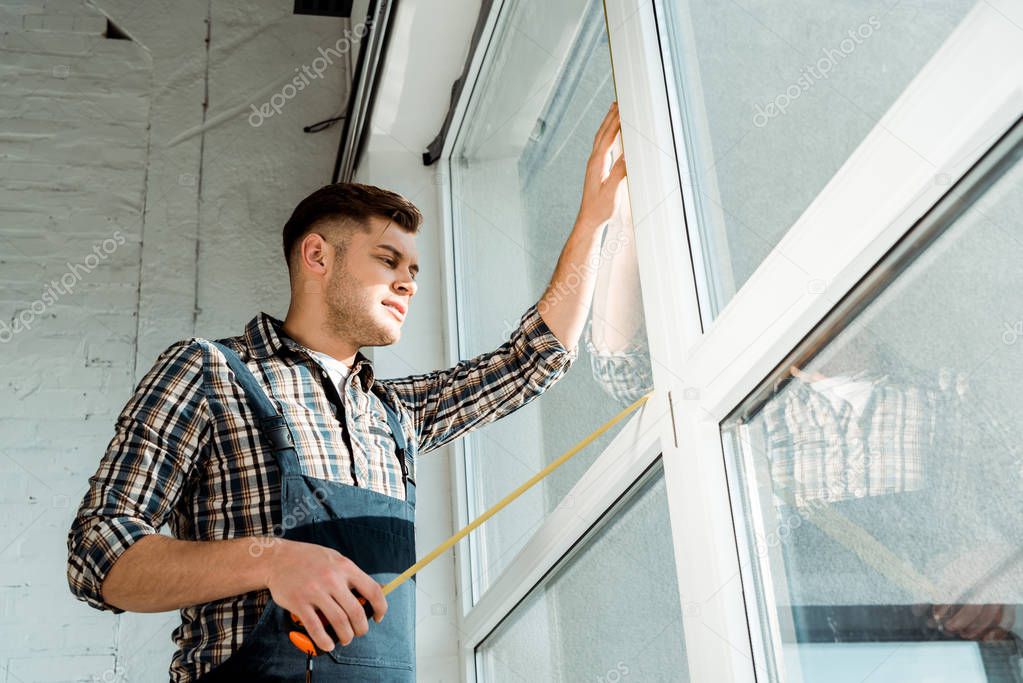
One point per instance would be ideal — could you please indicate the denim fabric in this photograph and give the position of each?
(376, 531)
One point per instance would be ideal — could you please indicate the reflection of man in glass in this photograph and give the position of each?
(615, 336)
(889, 447)
(874, 441)
(879, 461)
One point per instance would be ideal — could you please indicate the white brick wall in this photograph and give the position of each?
(105, 139)
(74, 116)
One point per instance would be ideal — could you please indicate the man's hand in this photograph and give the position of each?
(975, 622)
(600, 190)
(565, 303)
(307, 578)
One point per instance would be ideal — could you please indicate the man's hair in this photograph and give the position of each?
(351, 205)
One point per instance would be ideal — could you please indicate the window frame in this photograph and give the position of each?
(953, 118)
(931, 226)
(703, 369)
(634, 449)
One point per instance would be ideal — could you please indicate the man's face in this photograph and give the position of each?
(377, 267)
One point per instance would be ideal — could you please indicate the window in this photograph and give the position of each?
(803, 603)
(609, 612)
(517, 170)
(885, 471)
(839, 451)
(773, 99)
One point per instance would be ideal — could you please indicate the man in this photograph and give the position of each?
(268, 453)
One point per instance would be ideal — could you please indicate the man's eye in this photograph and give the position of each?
(391, 263)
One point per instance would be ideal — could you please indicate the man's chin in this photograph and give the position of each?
(391, 330)
(386, 336)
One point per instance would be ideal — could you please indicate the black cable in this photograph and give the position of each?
(323, 125)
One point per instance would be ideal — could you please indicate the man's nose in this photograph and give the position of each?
(408, 286)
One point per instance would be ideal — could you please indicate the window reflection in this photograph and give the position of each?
(880, 480)
(517, 168)
(615, 336)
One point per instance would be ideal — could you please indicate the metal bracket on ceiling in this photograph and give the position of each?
(324, 8)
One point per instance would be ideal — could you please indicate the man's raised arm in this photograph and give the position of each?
(565, 304)
(446, 404)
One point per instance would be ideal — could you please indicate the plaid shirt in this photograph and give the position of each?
(911, 432)
(866, 435)
(625, 375)
(187, 451)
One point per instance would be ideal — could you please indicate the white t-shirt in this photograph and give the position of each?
(337, 370)
(842, 388)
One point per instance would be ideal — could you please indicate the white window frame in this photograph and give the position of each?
(717, 641)
(953, 110)
(963, 100)
(637, 445)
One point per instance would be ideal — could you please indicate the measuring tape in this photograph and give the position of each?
(304, 643)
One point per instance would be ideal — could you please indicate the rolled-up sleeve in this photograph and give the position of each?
(158, 437)
(446, 404)
(625, 375)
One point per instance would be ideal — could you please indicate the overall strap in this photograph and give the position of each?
(272, 424)
(394, 422)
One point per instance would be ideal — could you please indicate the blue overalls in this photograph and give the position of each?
(376, 531)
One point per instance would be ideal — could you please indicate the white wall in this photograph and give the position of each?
(111, 140)
(73, 125)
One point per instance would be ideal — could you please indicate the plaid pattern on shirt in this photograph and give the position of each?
(625, 375)
(912, 431)
(823, 452)
(187, 452)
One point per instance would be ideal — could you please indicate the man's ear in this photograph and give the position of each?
(320, 255)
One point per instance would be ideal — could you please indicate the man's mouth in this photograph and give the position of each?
(395, 310)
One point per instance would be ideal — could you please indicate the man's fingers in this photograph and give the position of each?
(595, 172)
(311, 623)
(338, 619)
(985, 619)
(962, 618)
(617, 171)
(356, 614)
(605, 122)
(607, 137)
(1008, 619)
(610, 120)
(996, 634)
(373, 592)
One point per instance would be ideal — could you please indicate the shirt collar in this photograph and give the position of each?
(264, 339)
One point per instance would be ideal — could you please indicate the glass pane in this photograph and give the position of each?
(610, 612)
(517, 172)
(882, 478)
(775, 97)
